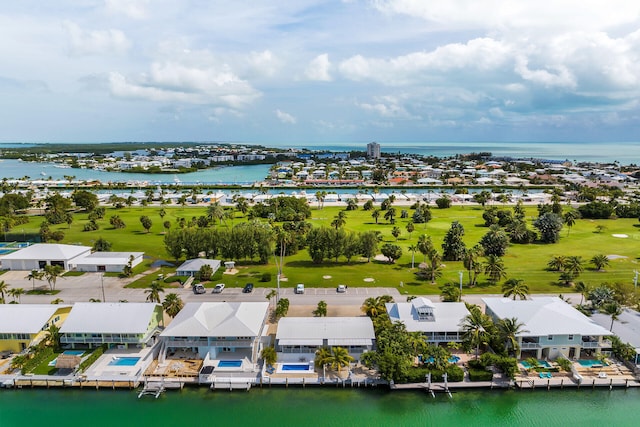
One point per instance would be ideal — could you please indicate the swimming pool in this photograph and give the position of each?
(299, 367)
(68, 353)
(124, 361)
(589, 363)
(230, 364)
(541, 364)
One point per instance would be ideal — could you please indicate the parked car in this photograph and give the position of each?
(341, 288)
(299, 288)
(218, 289)
(199, 289)
(248, 288)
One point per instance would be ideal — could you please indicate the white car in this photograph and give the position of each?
(299, 288)
(218, 289)
(341, 289)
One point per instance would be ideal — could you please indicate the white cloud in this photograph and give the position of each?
(176, 82)
(263, 63)
(285, 117)
(318, 68)
(136, 9)
(97, 42)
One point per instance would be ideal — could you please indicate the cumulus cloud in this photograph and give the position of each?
(97, 42)
(285, 117)
(388, 107)
(263, 63)
(176, 82)
(318, 68)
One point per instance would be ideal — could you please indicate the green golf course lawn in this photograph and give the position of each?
(526, 262)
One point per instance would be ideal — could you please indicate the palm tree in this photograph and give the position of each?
(509, 329)
(472, 263)
(215, 211)
(269, 355)
(51, 274)
(57, 301)
(600, 261)
(33, 276)
(614, 310)
(172, 304)
(4, 288)
(323, 357)
(450, 292)
(374, 306)
(154, 291)
(339, 220)
(435, 265)
(395, 232)
(425, 245)
(557, 263)
(515, 288)
(413, 249)
(390, 215)
(375, 214)
(494, 268)
(272, 293)
(570, 218)
(584, 289)
(474, 328)
(16, 293)
(574, 265)
(340, 358)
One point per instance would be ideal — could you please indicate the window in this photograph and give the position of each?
(570, 337)
(102, 268)
(550, 338)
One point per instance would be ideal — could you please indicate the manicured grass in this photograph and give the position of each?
(73, 273)
(527, 262)
(42, 292)
(44, 368)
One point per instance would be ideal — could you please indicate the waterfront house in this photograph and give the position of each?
(38, 256)
(551, 327)
(113, 262)
(191, 267)
(214, 331)
(439, 322)
(120, 325)
(24, 325)
(298, 338)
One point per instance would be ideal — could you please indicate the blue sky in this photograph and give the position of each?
(311, 71)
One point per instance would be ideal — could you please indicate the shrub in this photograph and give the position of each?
(92, 358)
(266, 277)
(480, 375)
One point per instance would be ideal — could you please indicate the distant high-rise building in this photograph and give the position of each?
(373, 150)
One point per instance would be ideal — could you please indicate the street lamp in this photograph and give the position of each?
(460, 275)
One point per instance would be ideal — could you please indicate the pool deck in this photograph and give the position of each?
(102, 368)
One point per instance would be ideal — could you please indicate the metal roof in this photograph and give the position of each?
(107, 258)
(195, 264)
(543, 316)
(218, 319)
(447, 316)
(44, 251)
(109, 318)
(314, 329)
(26, 318)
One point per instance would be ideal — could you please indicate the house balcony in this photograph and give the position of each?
(530, 346)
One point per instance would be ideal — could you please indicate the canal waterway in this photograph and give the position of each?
(318, 407)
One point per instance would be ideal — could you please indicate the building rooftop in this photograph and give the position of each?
(627, 327)
(109, 317)
(108, 258)
(337, 330)
(45, 251)
(218, 319)
(545, 316)
(445, 316)
(26, 318)
(195, 264)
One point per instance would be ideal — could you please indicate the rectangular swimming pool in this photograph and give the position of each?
(124, 361)
(299, 367)
(541, 364)
(230, 364)
(590, 363)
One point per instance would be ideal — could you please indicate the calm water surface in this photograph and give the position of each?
(319, 407)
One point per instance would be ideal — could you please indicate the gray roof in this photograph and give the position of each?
(43, 251)
(218, 319)
(26, 318)
(627, 327)
(337, 330)
(107, 258)
(195, 264)
(109, 317)
(545, 316)
(447, 316)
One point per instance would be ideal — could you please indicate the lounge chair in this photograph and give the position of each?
(602, 375)
(543, 375)
(549, 375)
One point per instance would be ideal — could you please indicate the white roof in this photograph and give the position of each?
(543, 316)
(627, 327)
(195, 264)
(448, 316)
(26, 318)
(109, 317)
(337, 330)
(218, 319)
(51, 251)
(108, 258)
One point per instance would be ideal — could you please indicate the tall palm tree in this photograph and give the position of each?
(33, 276)
(323, 358)
(269, 355)
(51, 274)
(340, 358)
(612, 309)
(435, 264)
(584, 289)
(472, 263)
(16, 293)
(494, 268)
(4, 288)
(172, 304)
(375, 214)
(413, 249)
(570, 218)
(515, 288)
(390, 215)
(425, 245)
(509, 329)
(474, 328)
(154, 291)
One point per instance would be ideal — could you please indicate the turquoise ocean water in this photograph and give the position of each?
(318, 407)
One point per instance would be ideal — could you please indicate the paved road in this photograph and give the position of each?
(90, 285)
